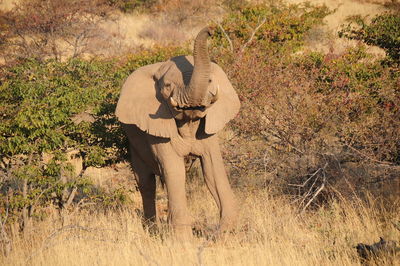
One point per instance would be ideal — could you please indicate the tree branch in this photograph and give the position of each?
(253, 34)
(225, 34)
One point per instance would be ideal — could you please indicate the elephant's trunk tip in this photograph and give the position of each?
(208, 30)
(202, 67)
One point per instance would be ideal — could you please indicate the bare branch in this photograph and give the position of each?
(316, 172)
(225, 34)
(309, 191)
(315, 194)
(253, 34)
(71, 197)
(368, 157)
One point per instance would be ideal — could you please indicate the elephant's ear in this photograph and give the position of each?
(227, 105)
(142, 104)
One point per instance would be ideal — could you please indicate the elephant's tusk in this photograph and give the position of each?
(173, 102)
(215, 95)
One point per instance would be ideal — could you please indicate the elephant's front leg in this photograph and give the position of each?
(173, 170)
(218, 184)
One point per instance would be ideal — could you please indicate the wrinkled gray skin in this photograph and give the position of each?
(170, 110)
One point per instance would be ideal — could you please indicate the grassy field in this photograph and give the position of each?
(270, 232)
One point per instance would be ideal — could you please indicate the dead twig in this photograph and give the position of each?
(305, 196)
(253, 34)
(368, 157)
(305, 182)
(226, 35)
(315, 194)
(310, 195)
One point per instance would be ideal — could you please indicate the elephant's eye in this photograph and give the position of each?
(209, 81)
(200, 108)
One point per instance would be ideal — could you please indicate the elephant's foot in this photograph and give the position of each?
(228, 223)
(182, 232)
(151, 228)
(181, 223)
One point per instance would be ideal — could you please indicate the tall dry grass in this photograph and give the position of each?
(270, 232)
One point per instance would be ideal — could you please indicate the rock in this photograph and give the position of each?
(83, 117)
(76, 161)
(381, 248)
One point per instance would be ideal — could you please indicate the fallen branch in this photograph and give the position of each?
(305, 182)
(309, 193)
(315, 195)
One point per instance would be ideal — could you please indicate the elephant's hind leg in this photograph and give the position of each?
(146, 181)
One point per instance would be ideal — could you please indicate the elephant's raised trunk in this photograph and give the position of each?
(197, 88)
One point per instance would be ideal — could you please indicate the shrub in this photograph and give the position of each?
(50, 108)
(307, 115)
(267, 29)
(383, 31)
(131, 5)
(52, 28)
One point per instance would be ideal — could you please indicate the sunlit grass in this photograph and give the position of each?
(270, 232)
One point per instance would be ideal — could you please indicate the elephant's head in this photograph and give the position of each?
(182, 88)
(186, 83)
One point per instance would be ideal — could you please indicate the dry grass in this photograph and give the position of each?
(271, 233)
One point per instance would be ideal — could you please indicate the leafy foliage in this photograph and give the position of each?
(383, 31)
(275, 30)
(131, 5)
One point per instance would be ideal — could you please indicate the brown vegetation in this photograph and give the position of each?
(52, 29)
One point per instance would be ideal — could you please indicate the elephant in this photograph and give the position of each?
(172, 109)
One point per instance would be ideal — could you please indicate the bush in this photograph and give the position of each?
(51, 108)
(127, 6)
(267, 29)
(324, 117)
(383, 31)
(51, 29)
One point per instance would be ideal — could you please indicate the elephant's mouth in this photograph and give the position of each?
(199, 108)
